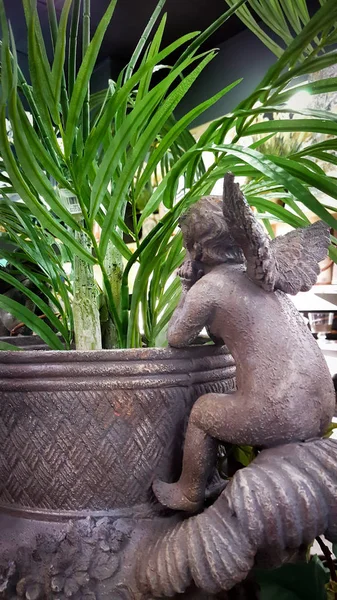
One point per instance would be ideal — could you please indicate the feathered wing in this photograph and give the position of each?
(297, 255)
(249, 234)
(289, 262)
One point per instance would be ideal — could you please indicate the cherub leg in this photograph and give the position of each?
(214, 417)
(199, 458)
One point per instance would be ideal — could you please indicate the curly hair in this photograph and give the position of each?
(206, 233)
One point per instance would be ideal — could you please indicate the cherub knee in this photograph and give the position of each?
(204, 411)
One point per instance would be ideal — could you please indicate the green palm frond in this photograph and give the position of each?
(108, 162)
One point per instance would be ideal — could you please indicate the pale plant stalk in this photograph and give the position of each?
(113, 264)
(87, 324)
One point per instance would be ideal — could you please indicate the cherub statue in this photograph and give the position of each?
(235, 283)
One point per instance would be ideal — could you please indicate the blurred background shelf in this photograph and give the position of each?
(330, 288)
(319, 298)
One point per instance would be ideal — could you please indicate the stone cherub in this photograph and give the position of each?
(235, 281)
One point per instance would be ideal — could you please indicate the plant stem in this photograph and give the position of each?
(114, 269)
(85, 304)
(143, 39)
(52, 22)
(75, 17)
(110, 300)
(85, 44)
(328, 557)
(134, 215)
(53, 32)
(89, 230)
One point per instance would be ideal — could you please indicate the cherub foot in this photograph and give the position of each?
(172, 496)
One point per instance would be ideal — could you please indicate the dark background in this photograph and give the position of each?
(241, 53)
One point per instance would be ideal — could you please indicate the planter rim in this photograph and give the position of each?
(120, 354)
(136, 368)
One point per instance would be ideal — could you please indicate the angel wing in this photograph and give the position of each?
(289, 262)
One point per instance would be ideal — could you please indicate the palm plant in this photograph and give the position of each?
(83, 159)
(86, 160)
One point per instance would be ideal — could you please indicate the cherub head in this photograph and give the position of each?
(206, 235)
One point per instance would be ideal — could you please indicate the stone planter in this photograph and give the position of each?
(82, 436)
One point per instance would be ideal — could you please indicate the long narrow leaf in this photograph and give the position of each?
(278, 174)
(4, 346)
(325, 184)
(39, 302)
(38, 150)
(323, 17)
(143, 144)
(32, 321)
(144, 83)
(75, 18)
(174, 286)
(32, 170)
(272, 19)
(57, 73)
(311, 125)
(120, 142)
(247, 18)
(170, 137)
(11, 166)
(322, 86)
(143, 39)
(312, 149)
(38, 64)
(43, 215)
(83, 77)
(310, 65)
(275, 209)
(204, 35)
(33, 277)
(95, 138)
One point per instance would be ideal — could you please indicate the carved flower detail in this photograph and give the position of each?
(87, 556)
(81, 563)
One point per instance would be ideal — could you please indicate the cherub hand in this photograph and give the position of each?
(189, 272)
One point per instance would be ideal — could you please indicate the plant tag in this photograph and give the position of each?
(73, 205)
(70, 201)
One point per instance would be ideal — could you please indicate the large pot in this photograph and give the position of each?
(82, 435)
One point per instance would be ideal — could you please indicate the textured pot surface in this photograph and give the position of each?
(87, 431)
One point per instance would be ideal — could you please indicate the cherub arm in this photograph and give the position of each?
(193, 312)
